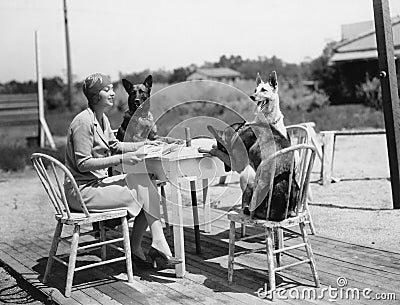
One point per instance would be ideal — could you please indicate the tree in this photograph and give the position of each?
(329, 77)
(179, 75)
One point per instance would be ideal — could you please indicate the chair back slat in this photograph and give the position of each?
(41, 173)
(61, 194)
(53, 185)
(291, 174)
(53, 190)
(307, 177)
(298, 176)
(298, 134)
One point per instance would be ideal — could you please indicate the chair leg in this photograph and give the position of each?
(72, 260)
(309, 218)
(53, 250)
(310, 254)
(278, 245)
(103, 251)
(231, 251)
(242, 231)
(127, 248)
(270, 259)
(165, 210)
(242, 226)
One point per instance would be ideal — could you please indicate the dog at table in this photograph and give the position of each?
(138, 123)
(245, 148)
(267, 99)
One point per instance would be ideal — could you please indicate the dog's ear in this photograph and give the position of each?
(127, 85)
(148, 82)
(218, 134)
(258, 79)
(273, 80)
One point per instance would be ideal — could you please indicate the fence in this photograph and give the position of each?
(19, 116)
(328, 145)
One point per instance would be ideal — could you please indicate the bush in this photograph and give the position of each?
(17, 156)
(302, 98)
(369, 93)
(13, 158)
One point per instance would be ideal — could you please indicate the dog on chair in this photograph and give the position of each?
(267, 99)
(138, 123)
(245, 148)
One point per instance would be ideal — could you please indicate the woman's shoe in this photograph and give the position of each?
(162, 260)
(140, 263)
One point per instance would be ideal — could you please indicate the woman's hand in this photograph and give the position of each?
(170, 140)
(153, 142)
(132, 158)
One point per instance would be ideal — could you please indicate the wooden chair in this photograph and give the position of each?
(269, 226)
(52, 179)
(299, 134)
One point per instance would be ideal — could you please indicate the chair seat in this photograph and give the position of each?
(248, 220)
(81, 219)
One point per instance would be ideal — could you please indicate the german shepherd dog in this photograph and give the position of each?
(245, 147)
(138, 123)
(267, 99)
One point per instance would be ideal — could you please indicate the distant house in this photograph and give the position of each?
(356, 54)
(358, 42)
(225, 75)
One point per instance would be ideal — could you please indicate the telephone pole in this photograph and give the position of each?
(69, 70)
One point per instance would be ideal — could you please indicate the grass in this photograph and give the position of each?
(170, 105)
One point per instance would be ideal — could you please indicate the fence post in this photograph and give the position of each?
(328, 147)
(44, 131)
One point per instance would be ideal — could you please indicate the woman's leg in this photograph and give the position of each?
(158, 238)
(139, 228)
(151, 207)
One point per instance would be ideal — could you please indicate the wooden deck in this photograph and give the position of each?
(206, 280)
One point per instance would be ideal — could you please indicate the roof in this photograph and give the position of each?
(218, 72)
(359, 41)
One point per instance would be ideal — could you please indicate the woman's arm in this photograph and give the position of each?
(82, 143)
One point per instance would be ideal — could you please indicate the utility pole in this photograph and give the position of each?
(390, 97)
(69, 71)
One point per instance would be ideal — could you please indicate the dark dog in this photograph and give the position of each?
(246, 147)
(138, 123)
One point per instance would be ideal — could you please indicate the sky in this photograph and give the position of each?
(125, 36)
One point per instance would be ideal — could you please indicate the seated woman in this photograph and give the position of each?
(91, 149)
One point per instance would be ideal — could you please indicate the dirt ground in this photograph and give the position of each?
(357, 209)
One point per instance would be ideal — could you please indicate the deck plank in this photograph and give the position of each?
(206, 278)
(121, 293)
(324, 257)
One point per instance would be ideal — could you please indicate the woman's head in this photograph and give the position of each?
(93, 86)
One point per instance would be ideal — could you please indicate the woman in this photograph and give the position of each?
(91, 149)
